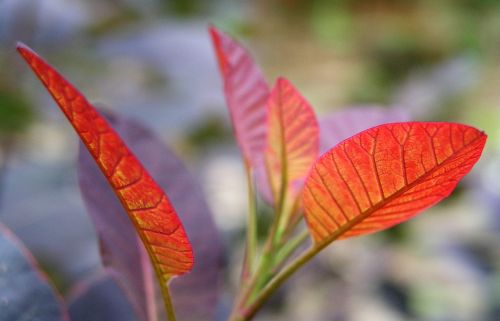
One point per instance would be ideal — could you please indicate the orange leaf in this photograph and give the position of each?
(147, 206)
(293, 141)
(246, 93)
(386, 175)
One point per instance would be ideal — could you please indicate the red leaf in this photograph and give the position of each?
(246, 94)
(147, 206)
(386, 175)
(293, 140)
(194, 295)
(120, 247)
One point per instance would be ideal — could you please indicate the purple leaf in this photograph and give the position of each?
(25, 293)
(246, 92)
(340, 125)
(100, 299)
(120, 246)
(195, 294)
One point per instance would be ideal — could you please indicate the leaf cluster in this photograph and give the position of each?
(350, 174)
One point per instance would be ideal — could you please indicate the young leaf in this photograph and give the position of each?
(246, 93)
(293, 141)
(147, 206)
(194, 295)
(25, 293)
(386, 175)
(99, 298)
(339, 125)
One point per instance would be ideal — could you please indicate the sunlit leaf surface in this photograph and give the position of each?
(386, 175)
(246, 93)
(293, 140)
(147, 206)
(25, 293)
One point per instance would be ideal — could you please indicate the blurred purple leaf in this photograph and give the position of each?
(339, 125)
(25, 293)
(195, 295)
(120, 246)
(100, 299)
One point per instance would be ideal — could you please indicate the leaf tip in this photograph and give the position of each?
(216, 36)
(212, 30)
(281, 79)
(20, 45)
(282, 82)
(24, 50)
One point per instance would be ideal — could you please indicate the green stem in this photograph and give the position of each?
(249, 312)
(295, 216)
(261, 274)
(271, 247)
(169, 308)
(290, 218)
(267, 267)
(278, 214)
(251, 237)
(291, 246)
(269, 261)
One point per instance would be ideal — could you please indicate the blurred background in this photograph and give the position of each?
(152, 60)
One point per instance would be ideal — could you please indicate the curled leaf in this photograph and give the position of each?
(121, 248)
(147, 206)
(386, 175)
(195, 295)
